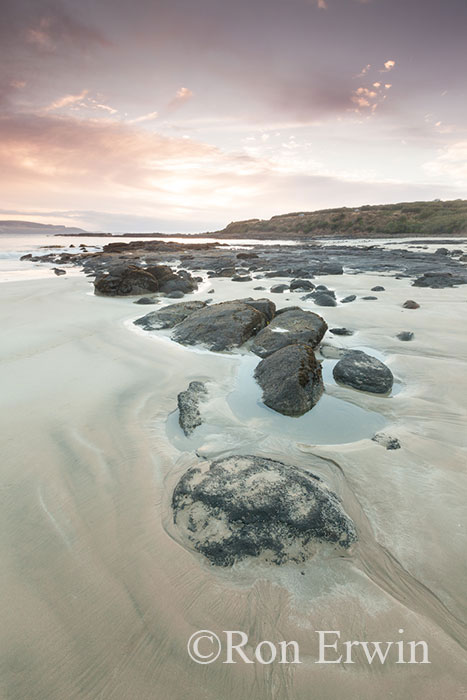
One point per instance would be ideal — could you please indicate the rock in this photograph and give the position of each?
(332, 352)
(181, 282)
(330, 268)
(259, 289)
(58, 271)
(175, 295)
(363, 372)
(220, 326)
(439, 280)
(341, 331)
(405, 335)
(291, 379)
(370, 298)
(285, 309)
(267, 307)
(241, 278)
(323, 288)
(246, 256)
(301, 285)
(278, 288)
(169, 316)
(188, 406)
(348, 299)
(246, 506)
(378, 288)
(463, 258)
(145, 300)
(390, 443)
(125, 280)
(211, 291)
(441, 251)
(410, 304)
(324, 299)
(291, 326)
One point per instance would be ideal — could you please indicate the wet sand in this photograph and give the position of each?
(98, 596)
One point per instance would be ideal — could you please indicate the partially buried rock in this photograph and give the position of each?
(348, 299)
(439, 280)
(410, 304)
(340, 331)
(301, 285)
(390, 443)
(363, 372)
(176, 294)
(405, 335)
(145, 300)
(291, 380)
(369, 298)
(221, 326)
(378, 288)
(241, 278)
(246, 506)
(278, 288)
(324, 299)
(188, 401)
(58, 271)
(291, 326)
(169, 316)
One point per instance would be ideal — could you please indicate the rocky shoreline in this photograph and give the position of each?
(217, 511)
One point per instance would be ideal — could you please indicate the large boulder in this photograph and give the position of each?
(168, 316)
(124, 280)
(188, 401)
(292, 326)
(266, 306)
(221, 326)
(246, 506)
(363, 372)
(291, 379)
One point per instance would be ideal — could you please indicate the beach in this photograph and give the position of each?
(99, 594)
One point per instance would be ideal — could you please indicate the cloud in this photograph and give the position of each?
(66, 101)
(53, 27)
(388, 66)
(183, 95)
(451, 163)
(144, 118)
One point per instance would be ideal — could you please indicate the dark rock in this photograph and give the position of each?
(288, 308)
(175, 295)
(290, 326)
(390, 443)
(341, 331)
(363, 372)
(259, 289)
(370, 298)
(405, 335)
(439, 280)
(246, 256)
(211, 291)
(323, 299)
(188, 406)
(169, 316)
(145, 300)
(301, 285)
(241, 278)
(278, 288)
(291, 379)
(410, 304)
(267, 307)
(441, 251)
(378, 288)
(330, 268)
(246, 506)
(125, 280)
(347, 300)
(58, 271)
(220, 326)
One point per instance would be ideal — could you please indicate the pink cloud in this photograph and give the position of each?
(183, 95)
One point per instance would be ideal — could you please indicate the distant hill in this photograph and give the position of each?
(406, 218)
(31, 227)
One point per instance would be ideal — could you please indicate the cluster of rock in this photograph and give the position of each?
(128, 279)
(246, 506)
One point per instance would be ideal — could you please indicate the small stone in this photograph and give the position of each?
(410, 304)
(405, 335)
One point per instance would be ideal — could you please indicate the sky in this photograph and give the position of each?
(184, 115)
